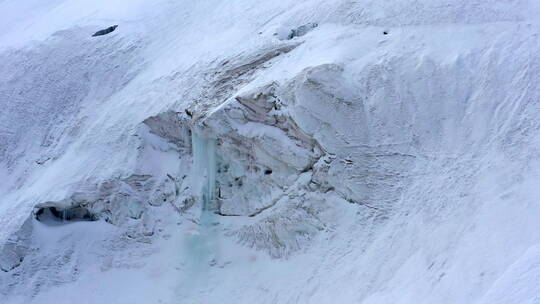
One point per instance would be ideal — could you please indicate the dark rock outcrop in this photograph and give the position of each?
(106, 31)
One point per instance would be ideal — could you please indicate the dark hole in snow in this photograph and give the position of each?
(106, 31)
(57, 215)
(268, 171)
(385, 33)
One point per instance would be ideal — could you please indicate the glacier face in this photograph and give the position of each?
(198, 155)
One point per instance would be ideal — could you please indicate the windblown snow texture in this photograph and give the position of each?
(269, 151)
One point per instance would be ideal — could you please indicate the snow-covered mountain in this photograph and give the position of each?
(286, 151)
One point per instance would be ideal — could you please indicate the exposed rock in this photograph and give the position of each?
(106, 31)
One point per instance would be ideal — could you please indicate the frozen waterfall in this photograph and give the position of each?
(204, 169)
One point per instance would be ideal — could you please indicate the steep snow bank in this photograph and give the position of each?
(224, 164)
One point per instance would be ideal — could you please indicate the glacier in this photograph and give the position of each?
(269, 151)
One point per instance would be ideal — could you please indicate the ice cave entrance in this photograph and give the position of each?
(54, 215)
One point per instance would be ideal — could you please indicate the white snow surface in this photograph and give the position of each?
(348, 165)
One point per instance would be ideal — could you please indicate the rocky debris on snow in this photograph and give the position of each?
(229, 75)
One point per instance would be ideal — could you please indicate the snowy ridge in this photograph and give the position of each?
(201, 153)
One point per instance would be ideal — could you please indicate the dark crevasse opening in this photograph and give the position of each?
(59, 215)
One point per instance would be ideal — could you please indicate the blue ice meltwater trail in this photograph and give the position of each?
(200, 245)
(205, 167)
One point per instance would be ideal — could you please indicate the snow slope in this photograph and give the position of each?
(225, 163)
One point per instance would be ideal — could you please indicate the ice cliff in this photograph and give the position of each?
(269, 151)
